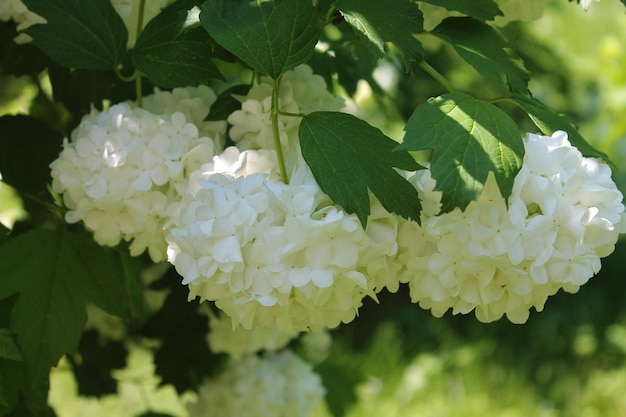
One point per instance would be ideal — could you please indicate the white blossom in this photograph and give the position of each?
(564, 214)
(279, 385)
(119, 174)
(237, 341)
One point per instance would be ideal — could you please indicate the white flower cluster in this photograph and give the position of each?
(564, 214)
(280, 385)
(17, 11)
(238, 342)
(122, 171)
(269, 253)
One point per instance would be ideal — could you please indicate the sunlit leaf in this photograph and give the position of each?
(387, 21)
(348, 157)
(478, 9)
(469, 138)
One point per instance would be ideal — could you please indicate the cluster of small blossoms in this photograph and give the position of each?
(278, 385)
(238, 342)
(121, 172)
(274, 254)
(564, 214)
(17, 11)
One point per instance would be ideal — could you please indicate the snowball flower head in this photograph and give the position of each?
(301, 92)
(120, 171)
(237, 341)
(272, 254)
(564, 214)
(280, 385)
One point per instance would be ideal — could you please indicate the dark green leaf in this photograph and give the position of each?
(549, 122)
(97, 359)
(79, 35)
(348, 157)
(23, 395)
(54, 274)
(28, 148)
(23, 59)
(271, 37)
(478, 9)
(167, 25)
(177, 63)
(387, 21)
(80, 90)
(170, 54)
(486, 50)
(470, 138)
(340, 382)
(226, 103)
(8, 348)
(182, 329)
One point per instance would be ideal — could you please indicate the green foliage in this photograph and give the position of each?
(55, 274)
(270, 36)
(478, 9)
(8, 348)
(549, 122)
(21, 168)
(387, 21)
(77, 36)
(470, 139)
(49, 274)
(172, 55)
(348, 157)
(227, 103)
(482, 47)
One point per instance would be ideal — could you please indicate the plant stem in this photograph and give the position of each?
(437, 76)
(276, 132)
(138, 90)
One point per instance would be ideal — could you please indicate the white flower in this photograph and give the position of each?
(237, 341)
(271, 254)
(586, 3)
(564, 214)
(280, 385)
(301, 91)
(120, 171)
(17, 11)
(277, 255)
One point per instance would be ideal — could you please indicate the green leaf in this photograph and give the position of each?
(95, 360)
(226, 102)
(387, 21)
(172, 55)
(271, 37)
(348, 157)
(470, 138)
(54, 273)
(181, 328)
(486, 50)
(478, 9)
(28, 148)
(79, 35)
(8, 348)
(549, 122)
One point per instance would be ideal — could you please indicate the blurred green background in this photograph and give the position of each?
(397, 360)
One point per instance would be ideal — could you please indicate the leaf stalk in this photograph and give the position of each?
(276, 133)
